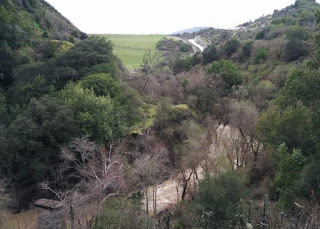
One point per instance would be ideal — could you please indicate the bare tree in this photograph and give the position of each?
(139, 81)
(150, 168)
(195, 154)
(90, 175)
(243, 138)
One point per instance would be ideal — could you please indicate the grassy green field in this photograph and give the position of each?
(131, 48)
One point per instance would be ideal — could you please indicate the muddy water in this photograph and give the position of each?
(25, 220)
(167, 194)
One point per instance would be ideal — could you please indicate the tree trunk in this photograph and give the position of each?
(147, 202)
(71, 216)
(185, 184)
(155, 199)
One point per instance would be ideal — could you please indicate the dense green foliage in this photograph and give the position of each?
(37, 135)
(54, 91)
(261, 55)
(229, 73)
(295, 49)
(218, 200)
(181, 65)
(290, 166)
(166, 44)
(102, 84)
(231, 47)
(123, 214)
(95, 115)
(246, 50)
(210, 54)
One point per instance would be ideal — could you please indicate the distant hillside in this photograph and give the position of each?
(30, 19)
(267, 48)
(300, 14)
(191, 30)
(32, 31)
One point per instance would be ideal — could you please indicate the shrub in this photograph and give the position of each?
(231, 47)
(183, 47)
(261, 55)
(295, 49)
(309, 184)
(229, 73)
(307, 17)
(260, 35)
(299, 33)
(102, 84)
(196, 58)
(210, 54)
(277, 21)
(206, 97)
(181, 65)
(246, 50)
(119, 213)
(290, 166)
(219, 198)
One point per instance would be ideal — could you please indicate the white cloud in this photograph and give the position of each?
(162, 16)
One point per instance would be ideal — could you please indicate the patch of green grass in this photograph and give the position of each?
(36, 25)
(62, 46)
(186, 107)
(150, 111)
(181, 106)
(131, 48)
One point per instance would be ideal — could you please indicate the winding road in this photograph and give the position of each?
(199, 43)
(195, 45)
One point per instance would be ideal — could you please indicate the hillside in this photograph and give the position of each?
(32, 19)
(190, 30)
(268, 27)
(270, 46)
(32, 31)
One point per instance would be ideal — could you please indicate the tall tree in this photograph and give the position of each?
(32, 145)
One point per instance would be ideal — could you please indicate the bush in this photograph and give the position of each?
(118, 213)
(295, 49)
(277, 21)
(219, 198)
(7, 64)
(260, 35)
(102, 84)
(210, 54)
(173, 45)
(181, 65)
(229, 73)
(307, 17)
(206, 97)
(246, 50)
(261, 55)
(231, 47)
(95, 115)
(290, 166)
(196, 58)
(299, 33)
(309, 183)
(184, 47)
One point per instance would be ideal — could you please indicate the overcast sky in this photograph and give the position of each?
(162, 16)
